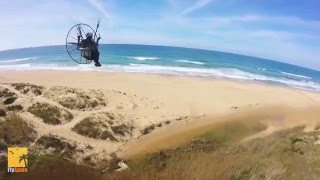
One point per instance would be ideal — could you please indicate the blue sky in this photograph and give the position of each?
(282, 30)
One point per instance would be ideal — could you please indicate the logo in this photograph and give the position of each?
(17, 159)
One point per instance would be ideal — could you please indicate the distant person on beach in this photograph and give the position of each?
(93, 46)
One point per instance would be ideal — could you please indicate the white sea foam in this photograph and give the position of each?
(262, 69)
(171, 70)
(295, 75)
(17, 60)
(191, 62)
(143, 58)
(26, 67)
(218, 72)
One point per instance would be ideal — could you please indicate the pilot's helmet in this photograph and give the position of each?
(89, 35)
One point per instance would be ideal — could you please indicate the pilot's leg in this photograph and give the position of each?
(96, 59)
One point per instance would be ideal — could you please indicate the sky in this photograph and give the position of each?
(282, 30)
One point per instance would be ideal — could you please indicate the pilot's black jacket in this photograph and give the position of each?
(88, 43)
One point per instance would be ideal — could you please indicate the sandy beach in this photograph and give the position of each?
(150, 99)
(152, 112)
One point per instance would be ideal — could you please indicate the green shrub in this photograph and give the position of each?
(15, 131)
(50, 114)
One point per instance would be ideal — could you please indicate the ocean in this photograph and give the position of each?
(166, 60)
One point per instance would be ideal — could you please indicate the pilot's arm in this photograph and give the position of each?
(97, 43)
(78, 43)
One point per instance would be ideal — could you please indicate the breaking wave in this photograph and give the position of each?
(191, 62)
(290, 75)
(143, 58)
(17, 60)
(262, 69)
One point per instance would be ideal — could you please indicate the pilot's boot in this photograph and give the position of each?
(97, 63)
(96, 59)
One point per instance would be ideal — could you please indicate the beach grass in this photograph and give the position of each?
(216, 154)
(50, 114)
(281, 155)
(87, 127)
(15, 131)
(233, 131)
(55, 167)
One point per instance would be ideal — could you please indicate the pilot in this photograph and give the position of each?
(93, 46)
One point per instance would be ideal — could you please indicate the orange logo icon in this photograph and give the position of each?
(17, 159)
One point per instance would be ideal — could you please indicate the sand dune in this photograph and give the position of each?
(275, 118)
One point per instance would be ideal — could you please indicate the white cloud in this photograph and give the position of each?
(197, 5)
(280, 35)
(249, 25)
(234, 19)
(254, 18)
(98, 5)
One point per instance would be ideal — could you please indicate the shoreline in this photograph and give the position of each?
(209, 78)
